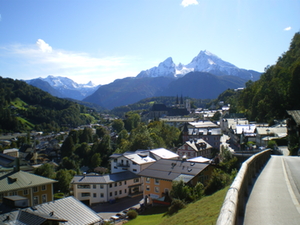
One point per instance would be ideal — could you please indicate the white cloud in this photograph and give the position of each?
(287, 28)
(186, 3)
(81, 67)
(43, 46)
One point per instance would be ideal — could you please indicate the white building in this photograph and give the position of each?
(139, 160)
(103, 188)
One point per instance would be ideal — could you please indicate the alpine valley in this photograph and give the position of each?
(205, 77)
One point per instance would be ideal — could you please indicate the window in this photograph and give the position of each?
(94, 186)
(110, 194)
(102, 195)
(83, 186)
(156, 181)
(156, 189)
(147, 179)
(110, 185)
(125, 190)
(15, 193)
(120, 183)
(101, 186)
(25, 192)
(120, 192)
(35, 189)
(133, 163)
(134, 170)
(115, 167)
(147, 187)
(136, 180)
(116, 184)
(116, 193)
(94, 195)
(125, 182)
(44, 198)
(115, 160)
(35, 200)
(85, 194)
(43, 187)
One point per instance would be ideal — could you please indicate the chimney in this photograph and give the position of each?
(17, 164)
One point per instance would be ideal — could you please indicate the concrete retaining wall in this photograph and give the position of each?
(235, 200)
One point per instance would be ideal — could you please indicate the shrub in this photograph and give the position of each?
(132, 214)
(218, 181)
(176, 205)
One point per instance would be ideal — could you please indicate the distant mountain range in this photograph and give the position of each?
(64, 87)
(206, 76)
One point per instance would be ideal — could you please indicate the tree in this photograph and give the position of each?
(118, 125)
(95, 160)
(67, 148)
(132, 121)
(83, 151)
(101, 131)
(45, 170)
(64, 178)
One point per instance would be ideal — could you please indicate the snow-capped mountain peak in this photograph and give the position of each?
(205, 61)
(69, 88)
(165, 69)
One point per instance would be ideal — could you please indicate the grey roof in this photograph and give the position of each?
(295, 114)
(5, 160)
(67, 210)
(173, 169)
(10, 181)
(104, 179)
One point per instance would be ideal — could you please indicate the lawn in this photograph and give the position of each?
(153, 215)
(205, 211)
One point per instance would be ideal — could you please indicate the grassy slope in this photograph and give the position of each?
(204, 211)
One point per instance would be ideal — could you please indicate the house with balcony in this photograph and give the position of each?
(138, 160)
(195, 148)
(23, 185)
(206, 130)
(93, 188)
(158, 177)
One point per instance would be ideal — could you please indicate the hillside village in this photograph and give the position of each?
(148, 173)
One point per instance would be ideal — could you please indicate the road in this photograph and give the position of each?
(106, 210)
(275, 196)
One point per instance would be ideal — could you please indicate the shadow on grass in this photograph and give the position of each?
(155, 210)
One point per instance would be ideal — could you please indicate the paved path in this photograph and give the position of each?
(275, 197)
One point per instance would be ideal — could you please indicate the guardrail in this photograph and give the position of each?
(236, 197)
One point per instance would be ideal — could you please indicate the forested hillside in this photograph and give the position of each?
(146, 104)
(276, 91)
(24, 107)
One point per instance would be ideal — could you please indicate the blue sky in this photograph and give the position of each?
(104, 40)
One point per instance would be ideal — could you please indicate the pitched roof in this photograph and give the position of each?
(295, 114)
(275, 131)
(199, 159)
(104, 179)
(164, 153)
(139, 158)
(173, 169)
(67, 210)
(203, 124)
(10, 181)
(197, 145)
(5, 159)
